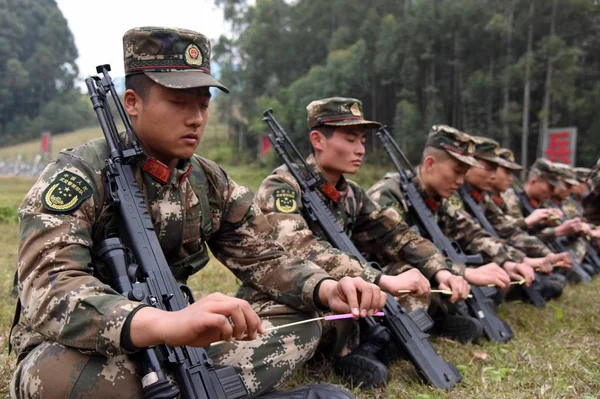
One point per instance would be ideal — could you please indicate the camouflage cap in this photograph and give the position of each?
(456, 143)
(566, 173)
(509, 158)
(488, 150)
(547, 171)
(582, 174)
(337, 111)
(172, 57)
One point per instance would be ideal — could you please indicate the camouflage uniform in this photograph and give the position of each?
(377, 233)
(70, 343)
(455, 222)
(591, 203)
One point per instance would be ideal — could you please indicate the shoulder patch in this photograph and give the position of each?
(66, 193)
(286, 200)
(455, 202)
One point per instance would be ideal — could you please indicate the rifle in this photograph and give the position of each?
(140, 271)
(407, 330)
(494, 328)
(555, 245)
(477, 213)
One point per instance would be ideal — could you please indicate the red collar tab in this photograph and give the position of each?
(331, 192)
(556, 201)
(185, 175)
(498, 200)
(157, 169)
(534, 203)
(432, 204)
(477, 195)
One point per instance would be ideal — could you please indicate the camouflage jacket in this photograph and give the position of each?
(507, 227)
(515, 209)
(591, 202)
(62, 285)
(571, 208)
(377, 233)
(455, 222)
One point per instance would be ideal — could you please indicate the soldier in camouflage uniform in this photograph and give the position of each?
(542, 182)
(496, 175)
(591, 202)
(447, 157)
(337, 134)
(77, 332)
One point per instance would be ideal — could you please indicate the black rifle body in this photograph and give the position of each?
(404, 330)
(475, 210)
(146, 276)
(555, 245)
(494, 328)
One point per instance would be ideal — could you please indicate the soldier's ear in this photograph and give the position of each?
(316, 140)
(132, 102)
(428, 162)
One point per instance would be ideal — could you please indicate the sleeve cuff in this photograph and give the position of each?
(433, 265)
(310, 292)
(108, 339)
(126, 343)
(318, 304)
(522, 225)
(371, 275)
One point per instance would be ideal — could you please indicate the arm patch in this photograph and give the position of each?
(66, 193)
(286, 200)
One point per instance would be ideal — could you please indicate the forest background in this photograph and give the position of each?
(507, 69)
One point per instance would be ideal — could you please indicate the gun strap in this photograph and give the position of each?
(199, 182)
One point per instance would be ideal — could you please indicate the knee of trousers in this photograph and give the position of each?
(267, 361)
(52, 370)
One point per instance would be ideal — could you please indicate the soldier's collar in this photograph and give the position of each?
(498, 200)
(433, 203)
(334, 193)
(163, 174)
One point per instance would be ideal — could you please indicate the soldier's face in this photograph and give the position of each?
(483, 178)
(540, 190)
(579, 189)
(502, 179)
(562, 193)
(169, 122)
(343, 152)
(445, 175)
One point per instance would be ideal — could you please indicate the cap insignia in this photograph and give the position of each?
(193, 56)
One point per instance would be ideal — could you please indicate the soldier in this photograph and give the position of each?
(77, 331)
(591, 202)
(447, 157)
(337, 131)
(580, 190)
(480, 183)
(543, 181)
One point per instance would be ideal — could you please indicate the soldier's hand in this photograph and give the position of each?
(562, 259)
(520, 271)
(411, 280)
(213, 318)
(543, 265)
(570, 227)
(458, 285)
(486, 275)
(538, 215)
(352, 295)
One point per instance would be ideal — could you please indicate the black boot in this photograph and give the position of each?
(312, 391)
(457, 327)
(362, 368)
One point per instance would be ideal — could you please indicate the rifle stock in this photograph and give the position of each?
(146, 276)
(494, 328)
(404, 330)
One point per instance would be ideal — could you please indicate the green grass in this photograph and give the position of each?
(554, 355)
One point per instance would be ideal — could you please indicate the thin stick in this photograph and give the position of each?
(445, 292)
(520, 282)
(330, 318)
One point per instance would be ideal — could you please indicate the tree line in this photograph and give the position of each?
(38, 72)
(505, 69)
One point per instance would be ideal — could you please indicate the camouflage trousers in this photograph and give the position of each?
(55, 371)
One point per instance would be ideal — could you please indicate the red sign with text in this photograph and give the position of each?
(559, 145)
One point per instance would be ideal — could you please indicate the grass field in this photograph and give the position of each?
(555, 353)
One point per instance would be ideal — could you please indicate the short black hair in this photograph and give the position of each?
(140, 83)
